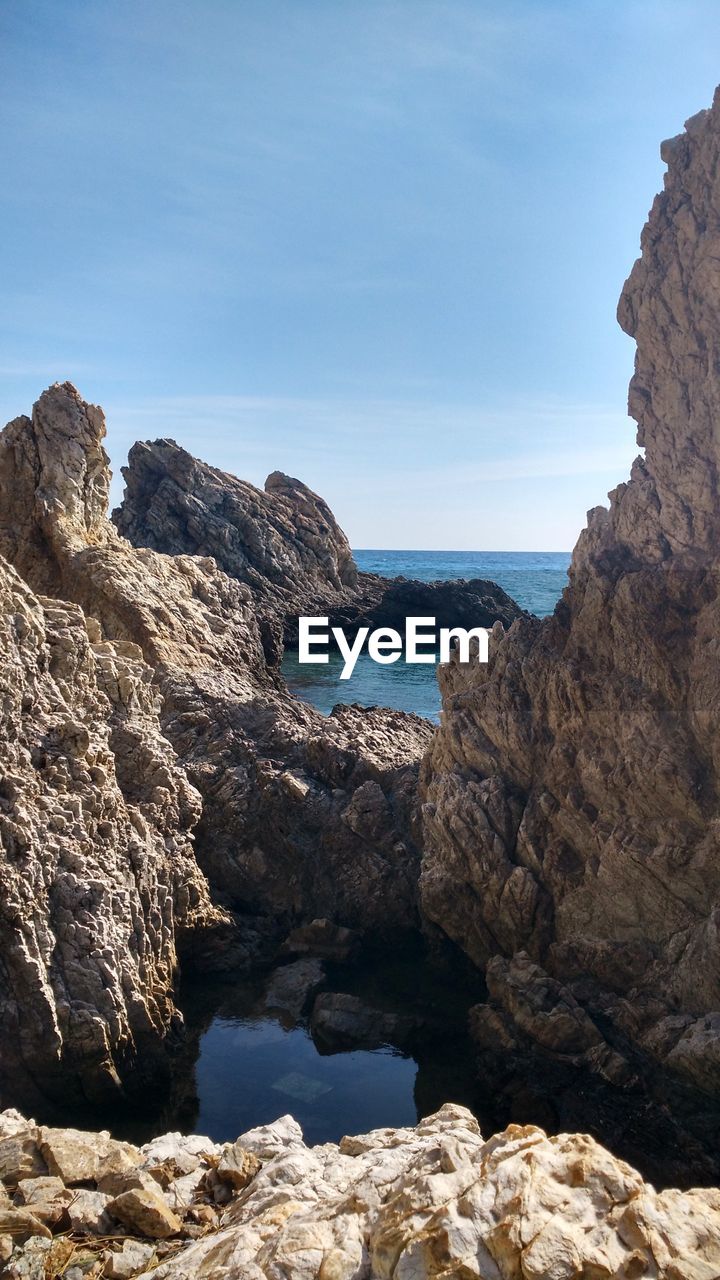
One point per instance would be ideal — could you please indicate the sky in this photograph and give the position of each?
(376, 244)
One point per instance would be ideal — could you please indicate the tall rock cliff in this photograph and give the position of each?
(99, 887)
(145, 746)
(571, 797)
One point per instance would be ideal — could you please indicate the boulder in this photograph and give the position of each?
(341, 1021)
(88, 1212)
(46, 1197)
(20, 1224)
(177, 1154)
(291, 987)
(145, 1213)
(129, 1260)
(323, 939)
(238, 1166)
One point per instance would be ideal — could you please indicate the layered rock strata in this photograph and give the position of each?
(434, 1201)
(142, 717)
(99, 886)
(571, 794)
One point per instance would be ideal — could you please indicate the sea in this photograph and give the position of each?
(535, 579)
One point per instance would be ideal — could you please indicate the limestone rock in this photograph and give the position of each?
(20, 1156)
(569, 795)
(268, 1140)
(440, 1200)
(20, 1224)
(128, 1261)
(178, 1154)
(76, 1156)
(434, 1200)
(47, 1198)
(88, 1212)
(88, 841)
(237, 1166)
(145, 745)
(145, 1213)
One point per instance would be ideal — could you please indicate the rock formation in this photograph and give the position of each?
(434, 1201)
(99, 886)
(571, 794)
(286, 545)
(141, 716)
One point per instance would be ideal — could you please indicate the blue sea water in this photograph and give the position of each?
(535, 579)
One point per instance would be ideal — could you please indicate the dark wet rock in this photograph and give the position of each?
(340, 1021)
(291, 988)
(324, 939)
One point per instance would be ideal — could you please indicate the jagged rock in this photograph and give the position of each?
(292, 986)
(433, 1200)
(20, 1224)
(145, 1213)
(46, 1198)
(238, 1166)
(75, 1155)
(696, 1054)
(440, 1200)
(268, 1140)
(570, 793)
(177, 1154)
(285, 544)
(280, 541)
(142, 734)
(20, 1156)
(114, 1183)
(540, 1007)
(181, 1192)
(96, 867)
(128, 1261)
(88, 1212)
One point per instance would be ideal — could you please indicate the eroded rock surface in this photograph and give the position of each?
(286, 545)
(434, 1201)
(145, 745)
(99, 886)
(570, 797)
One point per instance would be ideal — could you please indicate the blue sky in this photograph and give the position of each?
(377, 244)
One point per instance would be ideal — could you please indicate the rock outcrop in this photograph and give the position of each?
(283, 542)
(146, 742)
(571, 794)
(434, 1201)
(286, 545)
(99, 885)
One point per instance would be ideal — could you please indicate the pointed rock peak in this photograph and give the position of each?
(54, 480)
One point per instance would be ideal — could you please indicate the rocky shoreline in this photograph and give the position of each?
(437, 1200)
(165, 802)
